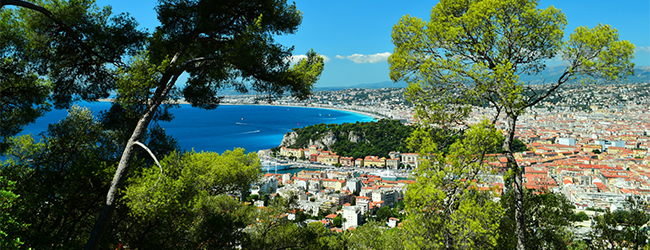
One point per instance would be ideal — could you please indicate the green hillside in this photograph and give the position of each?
(372, 138)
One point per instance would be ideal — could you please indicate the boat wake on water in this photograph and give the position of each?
(249, 132)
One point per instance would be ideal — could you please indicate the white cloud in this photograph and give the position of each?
(645, 49)
(296, 58)
(373, 58)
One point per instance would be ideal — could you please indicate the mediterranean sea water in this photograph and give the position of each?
(252, 127)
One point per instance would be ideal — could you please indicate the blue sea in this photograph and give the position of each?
(252, 127)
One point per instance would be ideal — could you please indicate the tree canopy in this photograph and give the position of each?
(58, 52)
(189, 202)
(446, 209)
(548, 221)
(61, 180)
(82, 51)
(622, 229)
(473, 52)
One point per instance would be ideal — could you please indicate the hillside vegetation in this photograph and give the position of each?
(361, 139)
(356, 139)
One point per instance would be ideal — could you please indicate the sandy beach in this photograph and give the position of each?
(376, 116)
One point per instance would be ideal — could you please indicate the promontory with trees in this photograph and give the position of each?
(375, 138)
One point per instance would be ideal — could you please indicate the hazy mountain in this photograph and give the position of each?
(551, 74)
(377, 85)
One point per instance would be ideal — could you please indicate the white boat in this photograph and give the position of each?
(385, 174)
(268, 166)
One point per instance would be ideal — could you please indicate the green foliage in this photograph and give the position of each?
(253, 197)
(64, 177)
(445, 207)
(79, 50)
(374, 235)
(373, 138)
(466, 54)
(548, 218)
(516, 146)
(580, 216)
(188, 176)
(337, 221)
(597, 53)
(197, 37)
(383, 214)
(191, 204)
(23, 97)
(471, 53)
(61, 180)
(43, 54)
(622, 229)
(9, 222)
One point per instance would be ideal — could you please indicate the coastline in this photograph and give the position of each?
(374, 116)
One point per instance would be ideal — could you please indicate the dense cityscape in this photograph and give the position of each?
(590, 143)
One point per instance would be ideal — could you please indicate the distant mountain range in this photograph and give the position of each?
(551, 74)
(377, 85)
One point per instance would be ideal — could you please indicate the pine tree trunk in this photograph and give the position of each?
(118, 179)
(518, 181)
(165, 85)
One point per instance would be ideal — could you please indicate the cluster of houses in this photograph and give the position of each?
(333, 193)
(596, 160)
(600, 174)
(317, 155)
(596, 173)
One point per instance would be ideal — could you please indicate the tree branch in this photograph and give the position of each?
(563, 78)
(65, 27)
(152, 155)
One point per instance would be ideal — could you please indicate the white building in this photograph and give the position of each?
(389, 196)
(566, 141)
(286, 178)
(353, 185)
(393, 222)
(309, 207)
(268, 185)
(351, 216)
(606, 144)
(304, 184)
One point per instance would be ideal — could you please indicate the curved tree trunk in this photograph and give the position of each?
(118, 179)
(518, 181)
(123, 168)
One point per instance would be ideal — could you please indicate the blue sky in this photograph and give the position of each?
(354, 36)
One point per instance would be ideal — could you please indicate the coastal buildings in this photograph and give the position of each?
(596, 155)
(374, 161)
(325, 192)
(291, 152)
(397, 160)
